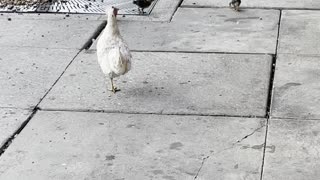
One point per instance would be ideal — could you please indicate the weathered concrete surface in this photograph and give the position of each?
(162, 11)
(169, 83)
(296, 87)
(206, 30)
(46, 33)
(292, 150)
(310, 4)
(49, 16)
(10, 121)
(26, 74)
(70, 145)
(299, 32)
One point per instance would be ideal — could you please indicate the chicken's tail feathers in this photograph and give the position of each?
(118, 64)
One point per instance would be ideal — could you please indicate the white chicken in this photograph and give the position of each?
(114, 56)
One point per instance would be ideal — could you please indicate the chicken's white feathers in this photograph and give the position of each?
(118, 61)
(114, 56)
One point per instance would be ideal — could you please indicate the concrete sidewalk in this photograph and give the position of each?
(213, 94)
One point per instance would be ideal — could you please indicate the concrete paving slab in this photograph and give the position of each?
(162, 11)
(219, 30)
(299, 32)
(296, 87)
(303, 4)
(10, 121)
(46, 34)
(26, 74)
(206, 30)
(71, 145)
(49, 16)
(169, 83)
(292, 150)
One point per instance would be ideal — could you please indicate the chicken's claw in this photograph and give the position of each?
(230, 5)
(114, 89)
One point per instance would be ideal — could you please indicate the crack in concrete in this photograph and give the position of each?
(232, 146)
(246, 136)
(203, 160)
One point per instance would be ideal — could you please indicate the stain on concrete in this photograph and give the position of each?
(157, 172)
(168, 177)
(236, 166)
(130, 125)
(245, 147)
(272, 148)
(315, 133)
(221, 15)
(191, 108)
(190, 173)
(60, 128)
(160, 151)
(237, 19)
(176, 146)
(286, 87)
(111, 157)
(258, 146)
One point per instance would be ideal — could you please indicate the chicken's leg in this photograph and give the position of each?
(113, 88)
(141, 10)
(231, 5)
(236, 6)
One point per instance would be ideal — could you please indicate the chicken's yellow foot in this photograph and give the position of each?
(113, 88)
(236, 8)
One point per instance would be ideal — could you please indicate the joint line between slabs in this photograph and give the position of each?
(201, 52)
(37, 106)
(17, 132)
(279, 118)
(271, 93)
(87, 45)
(278, 35)
(273, 69)
(261, 8)
(176, 9)
(264, 149)
(146, 113)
